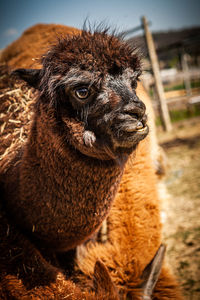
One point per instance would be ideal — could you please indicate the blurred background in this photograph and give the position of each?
(169, 40)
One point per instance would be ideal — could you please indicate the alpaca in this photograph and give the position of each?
(86, 119)
(92, 120)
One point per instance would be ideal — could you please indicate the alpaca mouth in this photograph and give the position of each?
(129, 132)
(118, 134)
(143, 130)
(136, 126)
(132, 137)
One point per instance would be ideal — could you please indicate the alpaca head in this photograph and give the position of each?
(90, 80)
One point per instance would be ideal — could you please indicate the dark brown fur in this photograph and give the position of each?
(96, 52)
(70, 179)
(57, 194)
(26, 273)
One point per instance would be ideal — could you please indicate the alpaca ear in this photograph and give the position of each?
(31, 76)
(151, 273)
(103, 283)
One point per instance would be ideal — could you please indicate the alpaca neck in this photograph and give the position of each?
(63, 195)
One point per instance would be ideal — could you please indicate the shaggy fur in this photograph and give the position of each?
(134, 232)
(32, 234)
(51, 173)
(27, 273)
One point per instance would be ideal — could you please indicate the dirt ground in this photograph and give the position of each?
(181, 205)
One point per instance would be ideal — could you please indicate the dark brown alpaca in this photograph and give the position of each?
(88, 119)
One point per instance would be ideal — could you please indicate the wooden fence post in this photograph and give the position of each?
(185, 68)
(158, 82)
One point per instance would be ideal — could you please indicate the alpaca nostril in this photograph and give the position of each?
(133, 115)
(136, 111)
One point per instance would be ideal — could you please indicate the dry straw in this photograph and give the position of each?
(16, 109)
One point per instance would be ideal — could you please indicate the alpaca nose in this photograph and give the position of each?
(136, 109)
(134, 106)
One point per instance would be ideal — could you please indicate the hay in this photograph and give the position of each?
(16, 109)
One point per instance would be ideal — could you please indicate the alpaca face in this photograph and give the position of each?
(91, 80)
(112, 113)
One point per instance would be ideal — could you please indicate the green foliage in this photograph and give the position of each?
(174, 62)
(178, 115)
(194, 84)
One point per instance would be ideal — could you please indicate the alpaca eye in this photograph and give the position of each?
(82, 93)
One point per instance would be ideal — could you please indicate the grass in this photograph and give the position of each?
(179, 115)
(194, 84)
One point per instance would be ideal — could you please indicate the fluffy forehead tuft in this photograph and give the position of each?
(97, 52)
